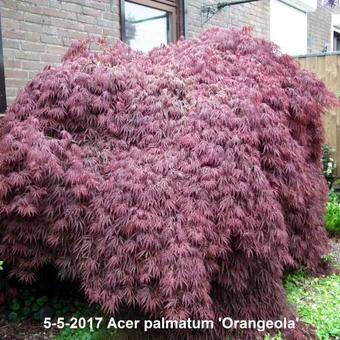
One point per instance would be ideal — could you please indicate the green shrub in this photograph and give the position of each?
(333, 215)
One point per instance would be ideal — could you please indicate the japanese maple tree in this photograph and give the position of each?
(185, 181)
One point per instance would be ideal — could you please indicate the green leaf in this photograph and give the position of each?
(35, 307)
(42, 300)
(26, 311)
(14, 305)
(13, 316)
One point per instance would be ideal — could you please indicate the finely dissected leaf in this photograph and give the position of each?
(184, 182)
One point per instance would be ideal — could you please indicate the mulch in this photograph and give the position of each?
(335, 249)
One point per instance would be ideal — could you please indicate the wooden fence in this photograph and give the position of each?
(327, 68)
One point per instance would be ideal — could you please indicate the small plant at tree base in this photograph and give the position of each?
(184, 182)
(28, 304)
(331, 258)
(100, 333)
(329, 164)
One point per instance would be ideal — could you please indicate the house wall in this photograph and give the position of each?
(319, 28)
(38, 32)
(255, 14)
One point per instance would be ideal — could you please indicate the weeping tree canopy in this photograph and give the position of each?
(184, 182)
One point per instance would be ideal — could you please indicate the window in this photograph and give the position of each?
(288, 27)
(336, 41)
(2, 78)
(335, 38)
(146, 24)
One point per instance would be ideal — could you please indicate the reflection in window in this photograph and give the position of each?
(145, 27)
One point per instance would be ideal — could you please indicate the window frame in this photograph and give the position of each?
(335, 30)
(175, 25)
(336, 40)
(3, 103)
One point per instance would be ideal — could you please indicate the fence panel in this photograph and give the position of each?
(327, 68)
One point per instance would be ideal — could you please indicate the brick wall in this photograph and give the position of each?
(256, 15)
(37, 32)
(319, 27)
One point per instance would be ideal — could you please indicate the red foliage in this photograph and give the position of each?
(8, 294)
(2, 298)
(12, 292)
(185, 181)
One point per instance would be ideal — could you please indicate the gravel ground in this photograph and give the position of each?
(335, 249)
(25, 330)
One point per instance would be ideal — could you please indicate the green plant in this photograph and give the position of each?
(329, 164)
(13, 316)
(331, 258)
(317, 302)
(1, 265)
(101, 333)
(333, 215)
(30, 305)
(87, 334)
